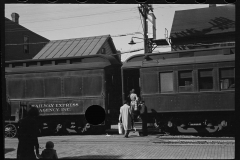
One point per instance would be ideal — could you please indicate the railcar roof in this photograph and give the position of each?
(174, 58)
(55, 64)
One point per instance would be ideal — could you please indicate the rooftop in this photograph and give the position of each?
(203, 21)
(73, 47)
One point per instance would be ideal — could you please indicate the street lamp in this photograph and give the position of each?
(151, 43)
(132, 42)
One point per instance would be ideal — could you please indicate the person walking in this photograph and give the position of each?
(28, 136)
(49, 152)
(126, 117)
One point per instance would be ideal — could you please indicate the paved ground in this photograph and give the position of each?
(135, 147)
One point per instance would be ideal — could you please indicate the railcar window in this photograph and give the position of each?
(149, 83)
(205, 79)
(92, 86)
(34, 88)
(185, 81)
(52, 87)
(15, 88)
(73, 86)
(227, 78)
(26, 44)
(166, 82)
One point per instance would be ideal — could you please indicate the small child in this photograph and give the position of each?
(49, 152)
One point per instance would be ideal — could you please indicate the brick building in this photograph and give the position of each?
(203, 28)
(17, 38)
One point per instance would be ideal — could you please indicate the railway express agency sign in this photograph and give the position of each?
(58, 107)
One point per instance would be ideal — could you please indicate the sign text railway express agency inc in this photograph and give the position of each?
(64, 107)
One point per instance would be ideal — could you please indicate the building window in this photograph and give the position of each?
(166, 82)
(185, 81)
(205, 79)
(226, 78)
(103, 51)
(26, 44)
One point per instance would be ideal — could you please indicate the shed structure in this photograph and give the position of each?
(78, 47)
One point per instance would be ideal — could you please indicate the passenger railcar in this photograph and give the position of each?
(187, 91)
(63, 89)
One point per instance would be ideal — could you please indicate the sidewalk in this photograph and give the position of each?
(114, 146)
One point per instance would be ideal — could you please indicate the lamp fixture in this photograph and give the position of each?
(132, 42)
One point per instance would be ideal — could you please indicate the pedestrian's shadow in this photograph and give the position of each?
(93, 157)
(8, 150)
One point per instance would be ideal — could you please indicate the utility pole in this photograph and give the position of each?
(146, 49)
(144, 10)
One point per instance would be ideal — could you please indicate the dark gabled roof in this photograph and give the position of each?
(203, 21)
(11, 27)
(73, 47)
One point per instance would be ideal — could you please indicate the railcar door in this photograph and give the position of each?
(131, 80)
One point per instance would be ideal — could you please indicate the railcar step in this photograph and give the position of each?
(134, 133)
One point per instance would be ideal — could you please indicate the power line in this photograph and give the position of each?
(126, 34)
(17, 30)
(178, 6)
(119, 35)
(194, 45)
(135, 50)
(210, 44)
(26, 15)
(124, 10)
(16, 44)
(101, 13)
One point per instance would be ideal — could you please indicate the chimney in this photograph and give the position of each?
(212, 5)
(15, 17)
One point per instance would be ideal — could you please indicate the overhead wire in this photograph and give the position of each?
(124, 10)
(17, 30)
(62, 11)
(115, 35)
(178, 6)
(135, 50)
(81, 16)
(117, 11)
(119, 35)
(139, 49)
(100, 13)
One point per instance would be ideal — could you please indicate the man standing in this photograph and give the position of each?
(28, 136)
(126, 117)
(143, 116)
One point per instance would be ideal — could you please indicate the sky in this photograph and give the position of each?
(66, 21)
